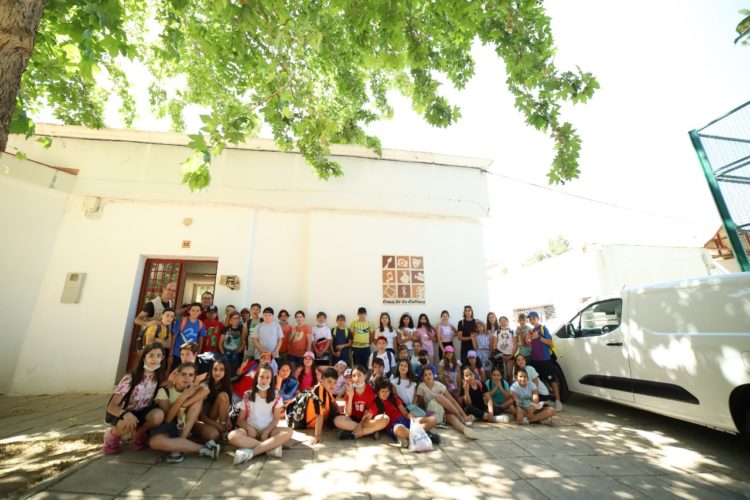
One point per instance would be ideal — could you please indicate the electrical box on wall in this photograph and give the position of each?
(73, 287)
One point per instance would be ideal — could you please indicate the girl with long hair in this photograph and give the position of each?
(213, 422)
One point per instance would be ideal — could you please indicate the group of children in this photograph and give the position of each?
(359, 379)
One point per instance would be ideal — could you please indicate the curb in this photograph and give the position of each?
(50, 481)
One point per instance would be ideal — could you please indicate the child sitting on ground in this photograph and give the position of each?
(257, 425)
(377, 371)
(528, 407)
(500, 399)
(359, 395)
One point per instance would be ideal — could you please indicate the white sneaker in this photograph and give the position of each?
(243, 455)
(470, 433)
(546, 421)
(275, 453)
(502, 419)
(525, 421)
(210, 449)
(403, 442)
(558, 406)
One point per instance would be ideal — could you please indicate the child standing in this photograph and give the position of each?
(267, 335)
(362, 331)
(483, 347)
(131, 407)
(448, 371)
(426, 334)
(251, 323)
(300, 340)
(467, 328)
(189, 329)
(386, 330)
(257, 425)
(231, 344)
(446, 332)
(507, 343)
(523, 337)
(286, 329)
(406, 335)
(388, 357)
(342, 341)
(213, 330)
(541, 356)
(321, 340)
(160, 333)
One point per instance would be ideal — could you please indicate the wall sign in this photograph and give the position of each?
(403, 279)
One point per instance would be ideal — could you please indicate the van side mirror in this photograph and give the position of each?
(571, 330)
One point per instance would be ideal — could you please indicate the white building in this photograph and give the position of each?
(557, 286)
(292, 241)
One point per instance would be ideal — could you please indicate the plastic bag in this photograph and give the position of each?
(418, 438)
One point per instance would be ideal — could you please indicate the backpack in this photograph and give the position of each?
(391, 359)
(296, 412)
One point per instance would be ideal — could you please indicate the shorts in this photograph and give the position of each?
(140, 415)
(400, 421)
(497, 408)
(474, 411)
(168, 428)
(546, 370)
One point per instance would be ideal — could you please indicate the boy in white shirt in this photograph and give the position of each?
(321, 340)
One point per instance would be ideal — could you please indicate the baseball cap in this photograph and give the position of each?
(533, 314)
(212, 309)
(449, 349)
(309, 354)
(383, 338)
(471, 354)
(361, 310)
(348, 372)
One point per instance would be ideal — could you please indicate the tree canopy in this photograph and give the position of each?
(315, 72)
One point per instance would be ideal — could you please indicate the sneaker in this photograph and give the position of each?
(558, 405)
(344, 435)
(502, 419)
(470, 433)
(175, 458)
(242, 455)
(403, 442)
(469, 422)
(210, 450)
(111, 443)
(442, 425)
(275, 453)
(546, 421)
(435, 438)
(138, 440)
(376, 435)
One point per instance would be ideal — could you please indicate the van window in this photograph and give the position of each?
(599, 318)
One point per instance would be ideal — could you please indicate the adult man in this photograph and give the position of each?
(152, 310)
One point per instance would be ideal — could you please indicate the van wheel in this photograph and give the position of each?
(564, 392)
(746, 431)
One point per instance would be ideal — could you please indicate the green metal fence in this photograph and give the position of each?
(723, 148)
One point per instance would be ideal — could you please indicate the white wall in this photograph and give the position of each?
(294, 241)
(29, 217)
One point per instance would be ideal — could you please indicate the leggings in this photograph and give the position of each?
(473, 410)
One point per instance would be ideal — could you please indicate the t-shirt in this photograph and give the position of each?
(429, 394)
(476, 390)
(171, 394)
(232, 339)
(361, 331)
(524, 341)
(142, 395)
(390, 408)
(360, 402)
(451, 374)
(321, 332)
(532, 373)
(539, 350)
(286, 330)
(193, 332)
(389, 335)
(213, 331)
(467, 327)
(326, 404)
(409, 331)
(497, 397)
(252, 326)
(260, 412)
(405, 389)
(427, 342)
(159, 331)
(289, 388)
(525, 394)
(505, 341)
(297, 344)
(419, 370)
(446, 332)
(268, 335)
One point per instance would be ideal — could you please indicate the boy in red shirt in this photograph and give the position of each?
(399, 418)
(359, 396)
(213, 330)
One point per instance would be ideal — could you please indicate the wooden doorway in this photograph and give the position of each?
(157, 273)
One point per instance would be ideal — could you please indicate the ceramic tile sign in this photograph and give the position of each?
(403, 279)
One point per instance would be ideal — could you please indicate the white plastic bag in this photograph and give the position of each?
(418, 438)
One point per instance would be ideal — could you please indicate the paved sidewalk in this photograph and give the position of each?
(594, 450)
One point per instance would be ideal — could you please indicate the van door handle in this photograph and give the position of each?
(614, 344)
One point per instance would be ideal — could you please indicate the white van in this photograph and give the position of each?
(681, 349)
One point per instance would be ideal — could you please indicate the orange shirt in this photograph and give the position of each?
(313, 407)
(286, 330)
(297, 343)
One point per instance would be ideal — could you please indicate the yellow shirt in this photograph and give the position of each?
(361, 333)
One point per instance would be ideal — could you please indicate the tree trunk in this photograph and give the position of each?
(19, 22)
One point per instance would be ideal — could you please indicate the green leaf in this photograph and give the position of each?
(21, 155)
(46, 142)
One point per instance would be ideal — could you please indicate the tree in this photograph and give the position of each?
(556, 246)
(316, 72)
